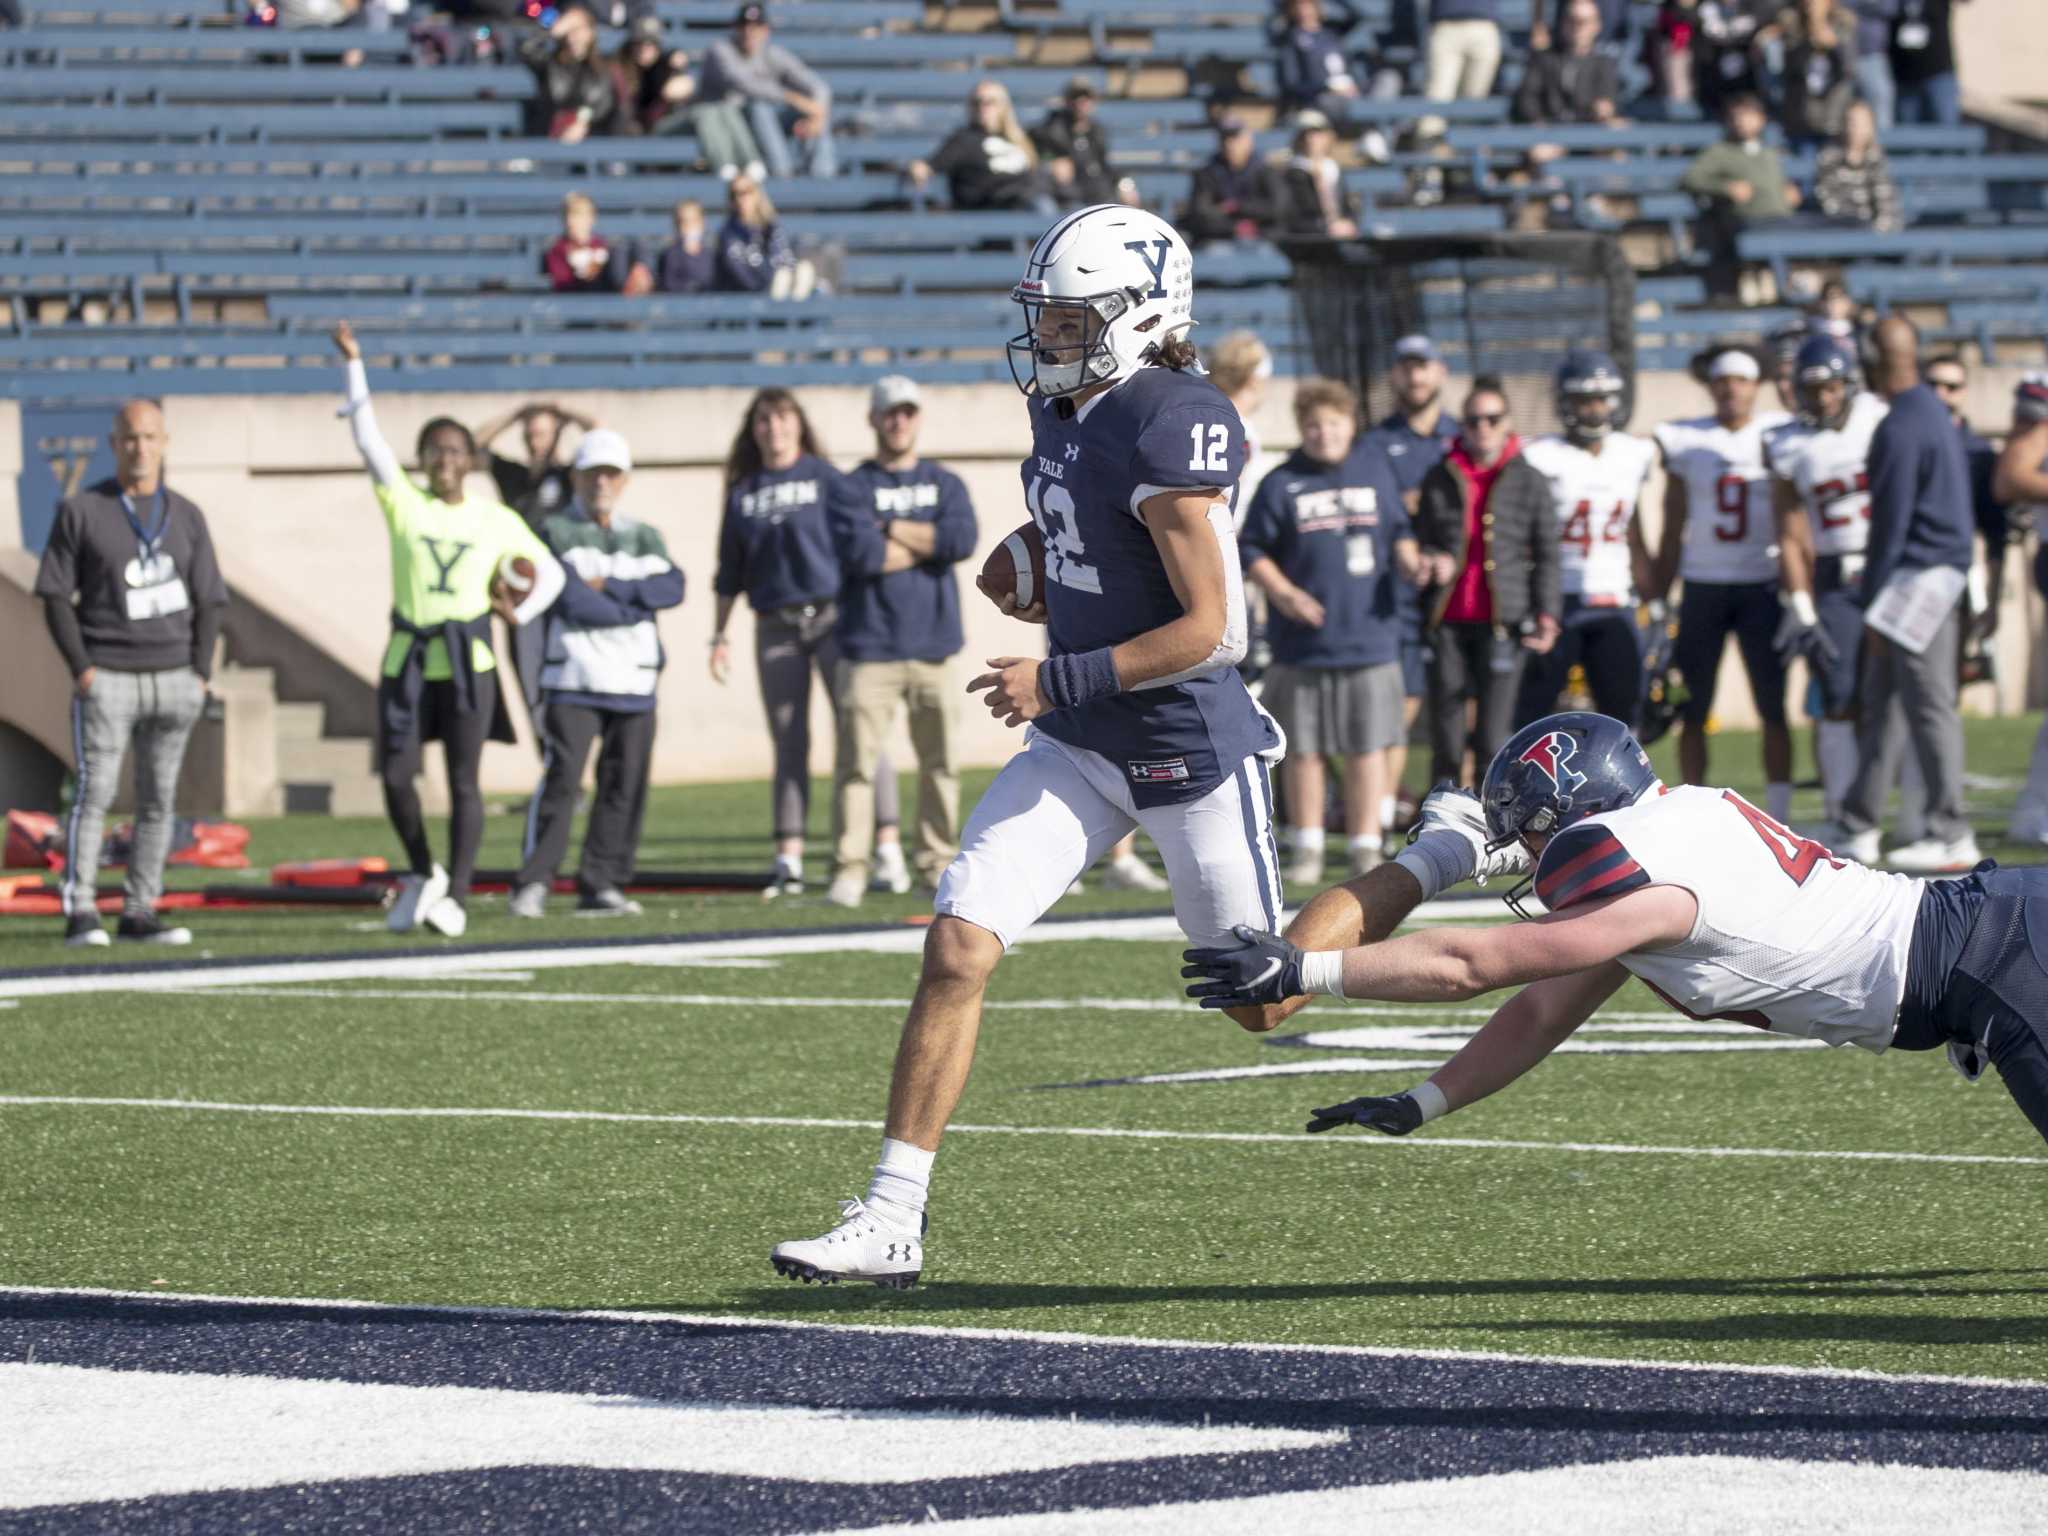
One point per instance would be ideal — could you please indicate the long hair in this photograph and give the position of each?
(744, 459)
(1006, 124)
(763, 205)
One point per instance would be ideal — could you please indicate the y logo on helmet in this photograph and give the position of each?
(1554, 754)
(1153, 253)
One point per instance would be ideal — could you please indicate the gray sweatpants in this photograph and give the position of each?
(157, 710)
(1925, 686)
(786, 650)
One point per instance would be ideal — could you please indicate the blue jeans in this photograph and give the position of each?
(1938, 99)
(1874, 85)
(786, 154)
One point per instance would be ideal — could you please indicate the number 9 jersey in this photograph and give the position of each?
(1089, 471)
(1789, 938)
(1730, 523)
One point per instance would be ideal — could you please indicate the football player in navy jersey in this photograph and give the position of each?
(1138, 717)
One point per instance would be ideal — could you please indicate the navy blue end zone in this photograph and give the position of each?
(1405, 1417)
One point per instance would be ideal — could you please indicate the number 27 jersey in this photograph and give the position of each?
(1788, 938)
(1089, 471)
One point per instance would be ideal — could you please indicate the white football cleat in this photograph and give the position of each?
(530, 900)
(1451, 817)
(1936, 856)
(846, 890)
(448, 918)
(417, 896)
(892, 875)
(1858, 847)
(862, 1247)
(1131, 873)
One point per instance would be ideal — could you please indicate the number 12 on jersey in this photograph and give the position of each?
(1052, 508)
(1209, 449)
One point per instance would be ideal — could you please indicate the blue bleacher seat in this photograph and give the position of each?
(240, 83)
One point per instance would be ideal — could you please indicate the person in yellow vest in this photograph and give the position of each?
(439, 678)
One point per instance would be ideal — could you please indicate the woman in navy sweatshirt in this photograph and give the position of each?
(754, 255)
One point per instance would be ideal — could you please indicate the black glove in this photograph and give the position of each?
(1264, 968)
(1396, 1116)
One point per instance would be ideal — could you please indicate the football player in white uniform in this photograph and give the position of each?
(1718, 908)
(1720, 536)
(1597, 475)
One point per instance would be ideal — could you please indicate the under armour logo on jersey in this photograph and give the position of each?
(1153, 253)
(1073, 452)
(1553, 754)
(443, 564)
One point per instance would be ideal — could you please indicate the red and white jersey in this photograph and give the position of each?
(1830, 468)
(1730, 528)
(1595, 496)
(1788, 938)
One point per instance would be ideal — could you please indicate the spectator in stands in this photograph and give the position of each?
(1488, 538)
(1739, 182)
(1316, 74)
(1923, 60)
(1464, 54)
(439, 677)
(989, 161)
(1236, 196)
(10, 13)
(787, 106)
(1613, 33)
(604, 663)
(689, 263)
(1816, 41)
(1723, 66)
(900, 524)
(1075, 152)
(1328, 540)
(577, 93)
(1852, 179)
(1874, 56)
(754, 255)
(775, 548)
(655, 82)
(583, 261)
(1573, 82)
(1671, 48)
(539, 487)
(134, 599)
(2020, 481)
(1315, 200)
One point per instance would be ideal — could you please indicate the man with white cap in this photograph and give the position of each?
(1720, 537)
(602, 664)
(900, 524)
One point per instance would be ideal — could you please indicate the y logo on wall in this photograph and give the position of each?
(63, 447)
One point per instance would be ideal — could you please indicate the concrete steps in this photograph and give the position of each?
(317, 774)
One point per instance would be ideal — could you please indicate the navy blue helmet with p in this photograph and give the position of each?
(1557, 771)
(1823, 360)
(1586, 376)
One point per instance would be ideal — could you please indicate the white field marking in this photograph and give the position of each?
(84, 1433)
(1673, 1495)
(1119, 1133)
(1325, 1066)
(1036, 1336)
(905, 940)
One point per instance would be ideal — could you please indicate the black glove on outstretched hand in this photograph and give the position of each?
(1262, 968)
(1396, 1116)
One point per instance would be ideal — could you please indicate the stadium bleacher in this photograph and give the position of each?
(162, 166)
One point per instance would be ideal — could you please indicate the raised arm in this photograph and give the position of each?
(362, 420)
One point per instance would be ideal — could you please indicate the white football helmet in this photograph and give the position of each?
(1127, 269)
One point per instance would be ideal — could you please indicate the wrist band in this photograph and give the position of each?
(1322, 973)
(1067, 681)
(1430, 1100)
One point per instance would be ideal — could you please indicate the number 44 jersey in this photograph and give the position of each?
(1730, 518)
(1090, 470)
(1788, 938)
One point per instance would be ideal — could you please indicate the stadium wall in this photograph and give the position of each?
(298, 533)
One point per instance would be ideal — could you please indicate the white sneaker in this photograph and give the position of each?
(448, 918)
(1304, 869)
(788, 878)
(846, 890)
(1861, 847)
(609, 902)
(1455, 821)
(1936, 856)
(862, 1247)
(530, 900)
(417, 894)
(1131, 873)
(1364, 860)
(892, 876)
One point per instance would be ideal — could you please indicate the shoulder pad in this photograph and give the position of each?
(1583, 862)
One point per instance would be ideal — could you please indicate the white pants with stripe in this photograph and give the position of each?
(1055, 809)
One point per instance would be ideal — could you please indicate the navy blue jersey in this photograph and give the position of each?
(1159, 430)
(1412, 454)
(911, 615)
(774, 544)
(1331, 528)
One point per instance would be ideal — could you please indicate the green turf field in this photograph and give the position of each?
(1684, 1253)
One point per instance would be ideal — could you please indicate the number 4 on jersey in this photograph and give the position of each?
(1796, 855)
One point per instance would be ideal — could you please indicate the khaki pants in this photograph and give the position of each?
(870, 693)
(1463, 58)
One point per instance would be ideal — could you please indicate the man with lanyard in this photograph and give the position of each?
(134, 600)
(1414, 436)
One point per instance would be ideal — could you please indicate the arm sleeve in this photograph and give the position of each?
(63, 621)
(651, 594)
(57, 584)
(1584, 862)
(958, 152)
(856, 532)
(1188, 447)
(955, 529)
(1546, 585)
(730, 579)
(586, 608)
(1261, 532)
(548, 575)
(362, 425)
(1894, 477)
(798, 76)
(209, 597)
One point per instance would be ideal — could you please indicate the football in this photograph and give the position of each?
(1017, 566)
(516, 575)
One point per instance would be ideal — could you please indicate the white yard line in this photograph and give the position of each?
(1121, 1133)
(1034, 1336)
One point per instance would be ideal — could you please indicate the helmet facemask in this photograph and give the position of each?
(1539, 821)
(1054, 372)
(1812, 411)
(1577, 426)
